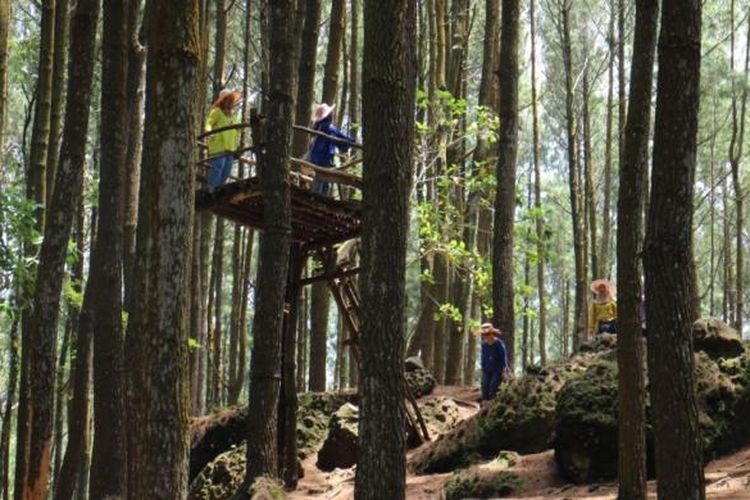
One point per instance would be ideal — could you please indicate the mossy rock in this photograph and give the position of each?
(716, 338)
(420, 381)
(221, 477)
(586, 425)
(520, 418)
(474, 483)
(341, 448)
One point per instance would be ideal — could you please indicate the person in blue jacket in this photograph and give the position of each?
(323, 150)
(494, 360)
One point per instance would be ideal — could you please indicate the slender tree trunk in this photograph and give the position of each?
(389, 81)
(588, 173)
(5, 16)
(630, 352)
(606, 222)
(34, 429)
(136, 80)
(78, 410)
(262, 455)
(58, 92)
(217, 365)
(108, 462)
(306, 87)
(735, 158)
(668, 256)
(728, 305)
(577, 215)
(319, 305)
(333, 56)
(502, 258)
(354, 79)
(13, 352)
(288, 397)
(539, 217)
(220, 46)
(234, 321)
(441, 286)
(158, 386)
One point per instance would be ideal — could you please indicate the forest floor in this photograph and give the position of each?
(727, 477)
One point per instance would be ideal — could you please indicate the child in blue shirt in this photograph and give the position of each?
(494, 360)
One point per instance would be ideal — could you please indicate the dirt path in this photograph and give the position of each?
(727, 478)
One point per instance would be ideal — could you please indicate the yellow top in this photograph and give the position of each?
(227, 140)
(602, 311)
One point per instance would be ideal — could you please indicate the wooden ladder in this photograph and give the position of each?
(345, 292)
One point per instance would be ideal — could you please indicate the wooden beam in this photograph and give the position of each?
(328, 277)
(331, 138)
(329, 174)
(223, 129)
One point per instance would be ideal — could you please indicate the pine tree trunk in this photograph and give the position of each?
(630, 352)
(8, 408)
(389, 81)
(354, 80)
(157, 340)
(262, 455)
(109, 469)
(539, 217)
(333, 56)
(220, 46)
(217, 366)
(136, 80)
(588, 174)
(507, 148)
(577, 215)
(441, 282)
(606, 222)
(78, 409)
(306, 87)
(59, 70)
(668, 256)
(234, 321)
(319, 306)
(5, 12)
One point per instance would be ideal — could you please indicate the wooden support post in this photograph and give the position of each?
(288, 398)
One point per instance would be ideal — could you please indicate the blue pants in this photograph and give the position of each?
(490, 384)
(321, 187)
(220, 168)
(607, 327)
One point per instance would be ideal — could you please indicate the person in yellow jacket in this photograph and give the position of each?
(222, 145)
(603, 309)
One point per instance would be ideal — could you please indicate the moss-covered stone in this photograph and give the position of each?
(341, 448)
(474, 483)
(586, 425)
(420, 381)
(221, 477)
(716, 338)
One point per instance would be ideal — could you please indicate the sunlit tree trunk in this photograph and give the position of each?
(157, 341)
(668, 256)
(630, 353)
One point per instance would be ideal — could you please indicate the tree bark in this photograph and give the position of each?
(262, 456)
(630, 353)
(606, 222)
(5, 12)
(354, 69)
(59, 67)
(389, 81)
(136, 80)
(319, 305)
(668, 256)
(157, 358)
(220, 46)
(505, 199)
(217, 365)
(306, 87)
(538, 216)
(13, 355)
(333, 56)
(108, 462)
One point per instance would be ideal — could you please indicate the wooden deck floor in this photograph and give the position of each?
(317, 221)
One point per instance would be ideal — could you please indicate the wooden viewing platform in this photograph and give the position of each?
(317, 221)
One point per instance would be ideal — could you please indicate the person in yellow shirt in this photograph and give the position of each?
(222, 145)
(603, 309)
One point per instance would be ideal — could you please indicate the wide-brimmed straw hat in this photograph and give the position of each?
(487, 329)
(322, 111)
(234, 95)
(597, 284)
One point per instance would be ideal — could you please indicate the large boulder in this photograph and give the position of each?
(440, 415)
(520, 418)
(716, 338)
(586, 423)
(221, 477)
(341, 447)
(420, 381)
